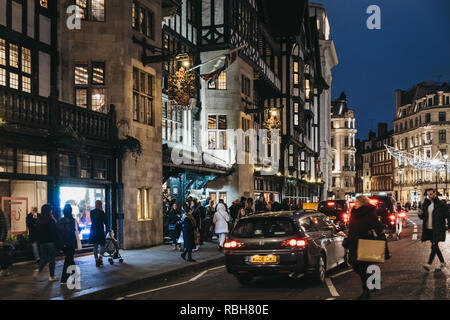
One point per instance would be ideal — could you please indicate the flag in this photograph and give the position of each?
(213, 76)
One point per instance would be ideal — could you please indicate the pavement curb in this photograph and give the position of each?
(101, 293)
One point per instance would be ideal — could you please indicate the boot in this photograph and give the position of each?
(97, 263)
(365, 295)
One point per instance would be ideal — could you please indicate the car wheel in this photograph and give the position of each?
(244, 280)
(319, 274)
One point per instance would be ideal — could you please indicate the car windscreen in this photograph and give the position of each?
(264, 228)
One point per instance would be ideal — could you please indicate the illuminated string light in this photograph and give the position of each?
(418, 161)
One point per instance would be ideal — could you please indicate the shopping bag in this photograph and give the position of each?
(371, 250)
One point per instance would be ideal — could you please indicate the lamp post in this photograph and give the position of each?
(400, 176)
(446, 175)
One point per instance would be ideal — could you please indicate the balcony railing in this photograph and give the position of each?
(36, 112)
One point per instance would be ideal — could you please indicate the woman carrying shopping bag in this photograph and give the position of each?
(363, 223)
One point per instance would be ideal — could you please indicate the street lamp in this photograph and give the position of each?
(446, 176)
(400, 176)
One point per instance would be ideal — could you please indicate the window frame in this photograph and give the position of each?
(17, 70)
(147, 96)
(90, 86)
(217, 131)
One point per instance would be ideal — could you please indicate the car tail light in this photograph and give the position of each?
(299, 243)
(392, 219)
(373, 202)
(232, 244)
(345, 217)
(331, 204)
(402, 215)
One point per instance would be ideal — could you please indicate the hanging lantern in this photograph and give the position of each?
(182, 90)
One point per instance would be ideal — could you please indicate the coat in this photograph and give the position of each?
(189, 226)
(30, 225)
(66, 233)
(99, 221)
(221, 219)
(362, 221)
(45, 231)
(440, 214)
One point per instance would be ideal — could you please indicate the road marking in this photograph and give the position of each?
(331, 287)
(414, 236)
(172, 285)
(341, 273)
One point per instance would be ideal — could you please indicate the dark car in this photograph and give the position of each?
(387, 214)
(336, 210)
(299, 244)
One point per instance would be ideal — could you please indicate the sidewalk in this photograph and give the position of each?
(140, 267)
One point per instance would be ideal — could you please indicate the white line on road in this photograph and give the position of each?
(341, 273)
(172, 285)
(331, 287)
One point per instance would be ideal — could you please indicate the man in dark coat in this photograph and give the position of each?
(97, 236)
(434, 212)
(31, 221)
(189, 225)
(67, 240)
(364, 219)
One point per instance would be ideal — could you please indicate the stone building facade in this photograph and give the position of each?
(421, 129)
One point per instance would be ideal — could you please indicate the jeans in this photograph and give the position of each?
(222, 238)
(47, 253)
(35, 247)
(102, 250)
(360, 267)
(68, 261)
(435, 251)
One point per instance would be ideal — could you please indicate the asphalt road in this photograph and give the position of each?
(402, 278)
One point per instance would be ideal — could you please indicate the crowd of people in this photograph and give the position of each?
(49, 234)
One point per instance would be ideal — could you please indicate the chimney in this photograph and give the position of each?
(398, 99)
(382, 129)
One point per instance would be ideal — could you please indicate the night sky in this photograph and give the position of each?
(412, 46)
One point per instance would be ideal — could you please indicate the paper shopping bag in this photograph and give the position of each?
(371, 250)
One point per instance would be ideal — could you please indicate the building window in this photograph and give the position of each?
(85, 168)
(291, 155)
(307, 89)
(296, 73)
(217, 134)
(191, 11)
(246, 138)
(220, 84)
(142, 97)
(17, 65)
(100, 169)
(142, 20)
(92, 10)
(442, 117)
(427, 118)
(89, 86)
(144, 204)
(30, 162)
(172, 126)
(245, 86)
(346, 141)
(68, 166)
(296, 115)
(442, 136)
(6, 160)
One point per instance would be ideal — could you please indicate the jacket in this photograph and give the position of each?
(189, 226)
(440, 214)
(30, 225)
(221, 219)
(46, 232)
(99, 221)
(174, 217)
(362, 221)
(66, 233)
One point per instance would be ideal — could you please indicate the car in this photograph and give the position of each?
(386, 211)
(337, 211)
(295, 243)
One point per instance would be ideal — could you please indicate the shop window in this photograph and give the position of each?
(89, 86)
(6, 160)
(213, 198)
(142, 97)
(223, 196)
(67, 166)
(217, 133)
(30, 162)
(144, 204)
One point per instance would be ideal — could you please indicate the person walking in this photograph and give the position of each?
(97, 236)
(31, 221)
(189, 224)
(221, 219)
(434, 212)
(174, 221)
(249, 206)
(363, 221)
(67, 240)
(46, 236)
(5, 257)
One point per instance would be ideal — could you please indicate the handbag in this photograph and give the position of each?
(77, 235)
(371, 250)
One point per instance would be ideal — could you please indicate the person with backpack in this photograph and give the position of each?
(67, 240)
(46, 236)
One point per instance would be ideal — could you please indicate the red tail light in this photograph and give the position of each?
(299, 243)
(345, 217)
(373, 202)
(392, 219)
(232, 244)
(331, 204)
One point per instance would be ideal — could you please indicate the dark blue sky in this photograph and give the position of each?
(412, 46)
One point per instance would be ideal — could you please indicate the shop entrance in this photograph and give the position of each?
(82, 201)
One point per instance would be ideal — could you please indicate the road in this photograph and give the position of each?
(403, 278)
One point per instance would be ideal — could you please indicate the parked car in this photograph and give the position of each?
(388, 215)
(337, 211)
(300, 243)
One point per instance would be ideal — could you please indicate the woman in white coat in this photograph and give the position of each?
(221, 219)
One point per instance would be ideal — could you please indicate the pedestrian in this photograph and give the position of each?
(221, 219)
(174, 222)
(46, 236)
(261, 205)
(242, 213)
(249, 206)
(189, 226)
(67, 240)
(31, 221)
(434, 212)
(196, 213)
(5, 257)
(234, 210)
(363, 221)
(97, 236)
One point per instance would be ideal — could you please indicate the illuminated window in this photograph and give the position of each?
(217, 134)
(142, 20)
(81, 74)
(2, 77)
(2, 52)
(89, 90)
(296, 114)
(82, 6)
(98, 73)
(307, 89)
(98, 10)
(31, 162)
(98, 100)
(296, 73)
(14, 80)
(144, 204)
(81, 97)
(26, 60)
(26, 84)
(7, 160)
(13, 55)
(221, 83)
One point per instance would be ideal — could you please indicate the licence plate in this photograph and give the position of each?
(332, 218)
(264, 259)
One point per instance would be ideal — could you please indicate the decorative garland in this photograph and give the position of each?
(417, 161)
